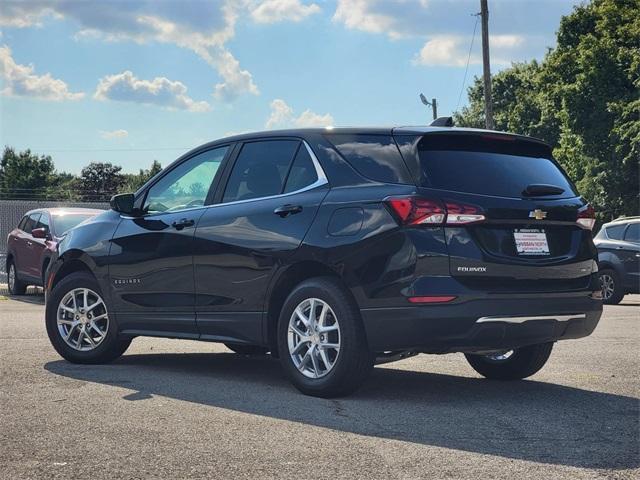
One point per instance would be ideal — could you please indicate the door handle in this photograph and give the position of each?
(637, 255)
(183, 222)
(29, 243)
(286, 210)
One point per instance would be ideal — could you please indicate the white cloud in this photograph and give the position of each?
(446, 25)
(272, 11)
(162, 92)
(202, 27)
(282, 116)
(395, 18)
(453, 50)
(21, 14)
(21, 81)
(112, 134)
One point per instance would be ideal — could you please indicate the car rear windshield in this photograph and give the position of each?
(64, 223)
(493, 165)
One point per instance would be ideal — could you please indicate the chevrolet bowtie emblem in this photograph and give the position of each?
(538, 214)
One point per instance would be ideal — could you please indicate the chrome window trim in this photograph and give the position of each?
(523, 319)
(322, 180)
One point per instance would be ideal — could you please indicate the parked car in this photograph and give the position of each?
(31, 244)
(618, 245)
(335, 249)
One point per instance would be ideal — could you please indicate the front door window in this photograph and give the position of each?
(187, 185)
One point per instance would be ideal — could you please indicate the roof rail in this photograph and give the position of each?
(442, 122)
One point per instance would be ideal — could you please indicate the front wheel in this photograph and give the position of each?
(321, 340)
(511, 364)
(79, 323)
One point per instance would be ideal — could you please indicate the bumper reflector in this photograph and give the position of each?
(432, 299)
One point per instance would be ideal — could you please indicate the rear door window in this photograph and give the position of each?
(260, 170)
(303, 172)
(374, 156)
(615, 232)
(484, 166)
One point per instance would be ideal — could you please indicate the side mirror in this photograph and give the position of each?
(123, 203)
(41, 233)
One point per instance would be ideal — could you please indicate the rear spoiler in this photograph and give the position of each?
(442, 122)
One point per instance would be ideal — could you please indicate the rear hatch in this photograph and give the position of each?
(512, 213)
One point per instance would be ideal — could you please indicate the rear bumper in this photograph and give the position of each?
(493, 322)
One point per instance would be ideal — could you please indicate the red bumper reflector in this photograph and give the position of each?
(432, 299)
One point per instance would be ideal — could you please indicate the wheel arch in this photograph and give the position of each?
(70, 262)
(607, 265)
(284, 284)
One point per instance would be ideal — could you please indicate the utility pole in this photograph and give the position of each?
(433, 104)
(486, 67)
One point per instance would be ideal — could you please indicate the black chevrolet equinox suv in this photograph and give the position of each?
(336, 249)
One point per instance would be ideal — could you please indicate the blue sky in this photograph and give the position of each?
(133, 81)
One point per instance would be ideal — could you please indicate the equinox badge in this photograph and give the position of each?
(538, 214)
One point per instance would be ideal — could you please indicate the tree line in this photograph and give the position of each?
(25, 175)
(583, 99)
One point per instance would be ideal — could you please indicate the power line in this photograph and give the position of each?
(466, 69)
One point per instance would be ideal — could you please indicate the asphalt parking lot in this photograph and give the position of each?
(181, 409)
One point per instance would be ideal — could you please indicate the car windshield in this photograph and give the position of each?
(65, 222)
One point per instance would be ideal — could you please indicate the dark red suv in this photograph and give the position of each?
(30, 244)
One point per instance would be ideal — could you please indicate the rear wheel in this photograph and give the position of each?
(612, 293)
(511, 364)
(79, 323)
(15, 286)
(247, 349)
(321, 340)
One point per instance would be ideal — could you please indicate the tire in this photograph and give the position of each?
(247, 349)
(612, 292)
(349, 364)
(522, 362)
(109, 346)
(14, 285)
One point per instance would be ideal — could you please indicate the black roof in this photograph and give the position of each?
(391, 130)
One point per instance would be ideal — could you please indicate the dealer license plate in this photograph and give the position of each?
(531, 241)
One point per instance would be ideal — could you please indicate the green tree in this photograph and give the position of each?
(25, 174)
(134, 181)
(99, 181)
(583, 100)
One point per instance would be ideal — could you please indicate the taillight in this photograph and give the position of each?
(460, 214)
(416, 211)
(586, 217)
(424, 211)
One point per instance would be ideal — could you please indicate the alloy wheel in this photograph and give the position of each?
(11, 278)
(314, 338)
(82, 319)
(608, 286)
